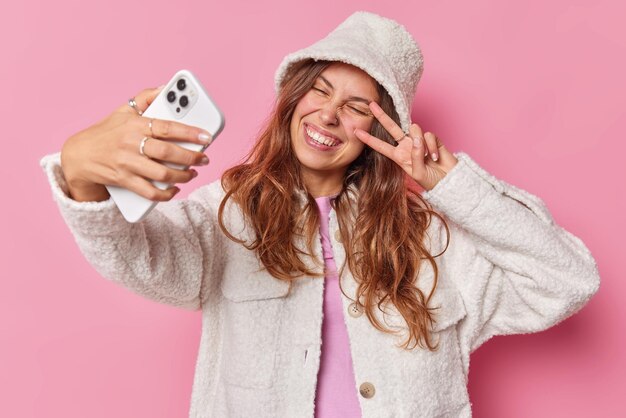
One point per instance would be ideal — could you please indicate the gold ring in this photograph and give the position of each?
(402, 137)
(142, 145)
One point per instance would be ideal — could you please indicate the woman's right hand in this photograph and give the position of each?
(108, 153)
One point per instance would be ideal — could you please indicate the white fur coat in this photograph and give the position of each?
(509, 269)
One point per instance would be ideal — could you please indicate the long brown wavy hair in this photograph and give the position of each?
(382, 233)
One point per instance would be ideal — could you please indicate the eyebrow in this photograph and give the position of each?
(351, 98)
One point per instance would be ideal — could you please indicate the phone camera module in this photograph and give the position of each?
(181, 84)
(171, 96)
(184, 101)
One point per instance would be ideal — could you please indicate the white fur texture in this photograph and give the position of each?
(509, 269)
(380, 46)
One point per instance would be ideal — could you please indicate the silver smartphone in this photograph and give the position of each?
(184, 100)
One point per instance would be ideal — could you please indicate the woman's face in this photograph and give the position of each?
(317, 114)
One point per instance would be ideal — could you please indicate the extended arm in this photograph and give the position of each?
(168, 257)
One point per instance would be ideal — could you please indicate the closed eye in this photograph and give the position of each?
(357, 110)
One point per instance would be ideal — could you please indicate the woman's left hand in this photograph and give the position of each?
(410, 151)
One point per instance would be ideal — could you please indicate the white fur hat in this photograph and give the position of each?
(380, 46)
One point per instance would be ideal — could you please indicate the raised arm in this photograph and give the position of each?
(517, 270)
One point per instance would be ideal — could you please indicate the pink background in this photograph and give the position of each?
(532, 90)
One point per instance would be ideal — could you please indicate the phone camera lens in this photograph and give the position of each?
(184, 101)
(171, 96)
(181, 84)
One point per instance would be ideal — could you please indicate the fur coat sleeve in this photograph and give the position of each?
(515, 268)
(164, 258)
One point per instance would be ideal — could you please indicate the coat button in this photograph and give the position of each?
(355, 310)
(338, 235)
(367, 390)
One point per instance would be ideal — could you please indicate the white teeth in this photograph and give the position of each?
(321, 139)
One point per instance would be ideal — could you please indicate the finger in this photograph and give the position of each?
(143, 99)
(385, 120)
(152, 94)
(446, 158)
(431, 145)
(174, 131)
(156, 170)
(146, 97)
(416, 131)
(148, 190)
(172, 153)
(376, 143)
(417, 152)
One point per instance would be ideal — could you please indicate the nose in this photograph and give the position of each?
(329, 114)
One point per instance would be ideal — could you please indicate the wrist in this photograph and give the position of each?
(87, 192)
(89, 195)
(79, 189)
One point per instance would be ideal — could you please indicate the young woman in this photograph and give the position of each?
(329, 284)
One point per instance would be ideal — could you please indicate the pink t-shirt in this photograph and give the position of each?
(336, 394)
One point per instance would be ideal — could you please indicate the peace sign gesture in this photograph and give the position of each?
(422, 156)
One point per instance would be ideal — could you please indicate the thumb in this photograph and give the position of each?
(142, 100)
(152, 94)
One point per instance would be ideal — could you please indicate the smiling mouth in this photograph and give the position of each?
(320, 139)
